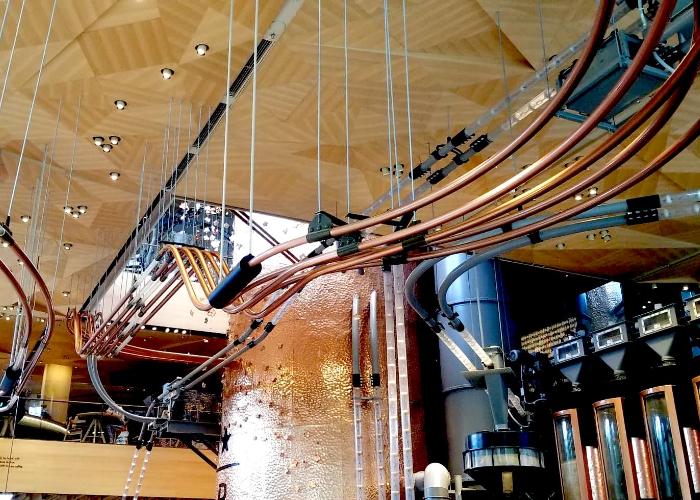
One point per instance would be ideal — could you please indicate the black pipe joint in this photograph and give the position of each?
(234, 282)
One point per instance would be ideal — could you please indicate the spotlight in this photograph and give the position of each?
(607, 238)
(167, 330)
(5, 244)
(153, 328)
(114, 139)
(7, 318)
(201, 48)
(75, 215)
(560, 246)
(205, 340)
(184, 331)
(66, 293)
(120, 104)
(143, 327)
(686, 288)
(578, 197)
(25, 218)
(114, 175)
(82, 209)
(98, 140)
(107, 148)
(593, 191)
(167, 73)
(590, 236)
(68, 209)
(177, 330)
(654, 286)
(604, 232)
(67, 246)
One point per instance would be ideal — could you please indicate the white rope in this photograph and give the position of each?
(70, 179)
(408, 101)
(31, 109)
(226, 113)
(318, 113)
(347, 112)
(390, 84)
(4, 17)
(12, 54)
(544, 47)
(388, 106)
(252, 138)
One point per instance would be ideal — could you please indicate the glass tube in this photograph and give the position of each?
(614, 449)
(665, 443)
(574, 484)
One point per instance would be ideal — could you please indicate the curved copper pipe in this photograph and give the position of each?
(687, 67)
(667, 155)
(21, 296)
(453, 233)
(602, 18)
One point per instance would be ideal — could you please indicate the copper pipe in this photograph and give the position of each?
(623, 156)
(687, 67)
(692, 448)
(602, 18)
(595, 474)
(131, 351)
(123, 300)
(197, 270)
(642, 465)
(22, 298)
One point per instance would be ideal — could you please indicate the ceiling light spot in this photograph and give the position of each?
(67, 246)
(114, 139)
(578, 197)
(25, 218)
(201, 49)
(167, 73)
(590, 236)
(114, 175)
(82, 208)
(68, 209)
(75, 215)
(593, 191)
(686, 288)
(107, 148)
(66, 293)
(120, 104)
(560, 246)
(98, 140)
(5, 244)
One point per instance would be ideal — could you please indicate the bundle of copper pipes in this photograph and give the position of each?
(174, 267)
(23, 361)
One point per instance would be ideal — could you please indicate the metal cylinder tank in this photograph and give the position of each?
(477, 298)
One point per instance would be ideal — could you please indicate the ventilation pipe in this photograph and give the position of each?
(475, 297)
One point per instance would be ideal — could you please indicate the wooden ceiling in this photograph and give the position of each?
(104, 50)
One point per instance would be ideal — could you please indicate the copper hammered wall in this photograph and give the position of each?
(287, 404)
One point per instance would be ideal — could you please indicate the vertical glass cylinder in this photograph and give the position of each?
(696, 392)
(665, 443)
(595, 473)
(614, 449)
(572, 463)
(642, 467)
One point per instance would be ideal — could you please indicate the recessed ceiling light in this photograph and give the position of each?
(82, 208)
(593, 191)
(143, 327)
(153, 328)
(590, 236)
(5, 244)
(8, 318)
(167, 73)
(68, 209)
(205, 340)
(607, 238)
(75, 215)
(107, 148)
(184, 331)
(201, 48)
(120, 104)
(66, 293)
(98, 140)
(67, 246)
(25, 218)
(114, 139)
(686, 288)
(114, 175)
(560, 246)
(578, 197)
(167, 330)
